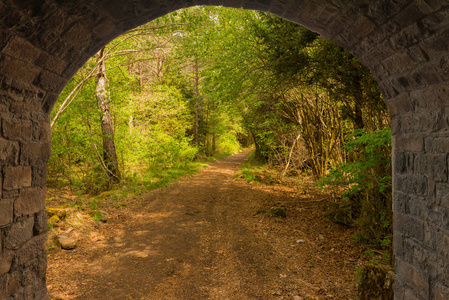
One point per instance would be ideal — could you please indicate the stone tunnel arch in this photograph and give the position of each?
(405, 43)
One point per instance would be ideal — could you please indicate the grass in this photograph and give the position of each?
(257, 172)
(133, 184)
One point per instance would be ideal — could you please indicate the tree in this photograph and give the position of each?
(110, 161)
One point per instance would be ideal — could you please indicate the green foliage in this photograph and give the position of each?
(366, 184)
(228, 76)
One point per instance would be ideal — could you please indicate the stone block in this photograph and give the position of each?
(431, 121)
(400, 202)
(409, 226)
(411, 295)
(436, 45)
(42, 132)
(411, 184)
(264, 4)
(39, 175)
(31, 250)
(396, 124)
(398, 288)
(403, 162)
(3, 290)
(11, 129)
(34, 153)
(30, 201)
(22, 49)
(18, 233)
(13, 282)
(29, 275)
(9, 152)
(10, 194)
(26, 133)
(434, 166)
(408, 142)
(400, 104)
(430, 237)
(26, 177)
(117, 9)
(435, 216)
(6, 211)
(16, 177)
(441, 292)
(431, 75)
(443, 246)
(17, 108)
(74, 66)
(442, 194)
(41, 222)
(443, 68)
(415, 279)
(11, 177)
(443, 270)
(445, 214)
(50, 82)
(49, 101)
(18, 73)
(417, 54)
(437, 144)
(51, 63)
(398, 63)
(432, 97)
(78, 35)
(417, 206)
(105, 30)
(6, 262)
(398, 244)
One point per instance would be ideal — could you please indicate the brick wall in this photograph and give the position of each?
(404, 42)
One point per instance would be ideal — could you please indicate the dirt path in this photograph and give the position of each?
(201, 238)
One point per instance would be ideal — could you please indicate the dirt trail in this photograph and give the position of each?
(201, 238)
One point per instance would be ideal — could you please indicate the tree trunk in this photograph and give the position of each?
(196, 95)
(107, 128)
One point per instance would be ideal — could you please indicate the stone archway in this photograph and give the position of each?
(404, 43)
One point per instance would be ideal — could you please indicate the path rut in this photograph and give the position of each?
(200, 238)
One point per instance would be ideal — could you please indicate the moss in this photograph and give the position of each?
(60, 212)
(279, 212)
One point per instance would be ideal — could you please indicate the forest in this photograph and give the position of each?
(160, 101)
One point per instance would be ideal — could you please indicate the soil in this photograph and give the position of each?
(211, 236)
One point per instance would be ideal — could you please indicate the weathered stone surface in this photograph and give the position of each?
(9, 152)
(404, 43)
(31, 250)
(30, 201)
(5, 262)
(6, 211)
(67, 243)
(22, 49)
(39, 175)
(41, 222)
(441, 292)
(16, 177)
(415, 279)
(18, 233)
(34, 153)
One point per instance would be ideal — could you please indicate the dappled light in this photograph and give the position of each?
(205, 236)
(133, 121)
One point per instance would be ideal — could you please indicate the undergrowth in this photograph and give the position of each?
(132, 186)
(366, 196)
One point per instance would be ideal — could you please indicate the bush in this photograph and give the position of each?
(366, 184)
